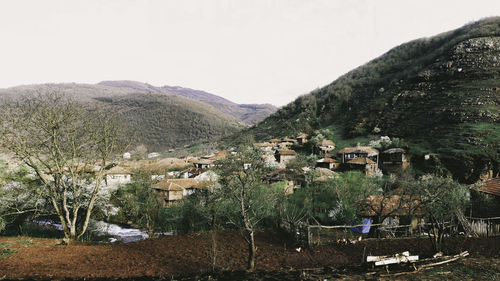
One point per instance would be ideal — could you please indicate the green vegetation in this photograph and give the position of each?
(170, 121)
(160, 117)
(333, 201)
(7, 248)
(441, 199)
(246, 113)
(140, 205)
(439, 94)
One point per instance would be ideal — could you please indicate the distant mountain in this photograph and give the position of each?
(440, 94)
(246, 113)
(154, 118)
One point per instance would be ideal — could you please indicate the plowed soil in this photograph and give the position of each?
(191, 255)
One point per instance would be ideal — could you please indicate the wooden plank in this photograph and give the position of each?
(398, 259)
(379, 258)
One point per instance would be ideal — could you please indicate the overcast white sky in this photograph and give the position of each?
(248, 51)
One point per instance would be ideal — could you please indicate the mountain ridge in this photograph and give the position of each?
(159, 121)
(248, 114)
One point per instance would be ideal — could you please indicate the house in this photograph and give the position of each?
(191, 172)
(208, 161)
(285, 144)
(394, 160)
(203, 163)
(302, 139)
(368, 166)
(264, 147)
(328, 163)
(118, 175)
(285, 155)
(175, 189)
(325, 146)
(126, 155)
(491, 186)
(349, 153)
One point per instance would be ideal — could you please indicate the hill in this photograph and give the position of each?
(248, 114)
(440, 94)
(155, 119)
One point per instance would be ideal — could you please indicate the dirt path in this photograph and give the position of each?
(189, 255)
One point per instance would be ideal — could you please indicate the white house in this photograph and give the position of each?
(118, 175)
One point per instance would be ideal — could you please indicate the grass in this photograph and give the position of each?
(7, 248)
(340, 142)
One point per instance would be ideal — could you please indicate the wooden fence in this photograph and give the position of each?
(323, 234)
(487, 227)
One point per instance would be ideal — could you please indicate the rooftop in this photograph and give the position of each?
(325, 143)
(286, 152)
(359, 149)
(360, 161)
(176, 184)
(491, 186)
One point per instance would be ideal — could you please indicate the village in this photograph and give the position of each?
(174, 179)
(250, 140)
(175, 183)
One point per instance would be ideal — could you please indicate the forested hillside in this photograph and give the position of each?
(157, 120)
(440, 94)
(246, 113)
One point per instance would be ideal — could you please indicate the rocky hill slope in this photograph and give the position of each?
(440, 94)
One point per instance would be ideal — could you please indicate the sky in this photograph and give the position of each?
(248, 51)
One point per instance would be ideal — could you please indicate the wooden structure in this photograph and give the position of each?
(328, 163)
(488, 227)
(175, 189)
(491, 186)
(325, 146)
(349, 153)
(403, 257)
(302, 139)
(368, 166)
(285, 155)
(118, 175)
(394, 160)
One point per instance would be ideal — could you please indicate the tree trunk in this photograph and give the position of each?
(214, 249)
(72, 232)
(251, 250)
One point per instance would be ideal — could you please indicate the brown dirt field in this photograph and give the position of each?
(188, 255)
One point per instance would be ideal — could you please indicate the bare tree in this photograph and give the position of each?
(248, 201)
(68, 147)
(441, 199)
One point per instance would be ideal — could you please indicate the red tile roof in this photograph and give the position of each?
(491, 186)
